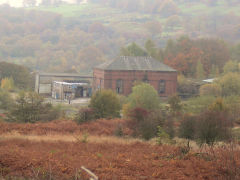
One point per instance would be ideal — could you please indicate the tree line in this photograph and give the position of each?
(50, 42)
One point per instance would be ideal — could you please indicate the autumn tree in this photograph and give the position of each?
(231, 66)
(184, 54)
(200, 74)
(213, 89)
(21, 76)
(6, 100)
(7, 84)
(89, 57)
(142, 104)
(214, 124)
(230, 84)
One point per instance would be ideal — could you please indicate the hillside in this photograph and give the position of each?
(62, 38)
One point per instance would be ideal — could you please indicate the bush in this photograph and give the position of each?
(21, 76)
(169, 127)
(29, 108)
(233, 107)
(7, 84)
(230, 84)
(144, 96)
(148, 128)
(84, 115)
(213, 126)
(187, 128)
(6, 101)
(175, 104)
(105, 104)
(199, 104)
(210, 90)
(186, 88)
(138, 114)
(162, 136)
(144, 123)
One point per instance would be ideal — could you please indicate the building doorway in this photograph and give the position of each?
(79, 92)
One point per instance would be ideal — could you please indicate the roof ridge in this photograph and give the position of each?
(145, 63)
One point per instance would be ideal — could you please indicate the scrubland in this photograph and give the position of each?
(58, 150)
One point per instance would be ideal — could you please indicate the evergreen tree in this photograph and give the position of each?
(199, 70)
(133, 50)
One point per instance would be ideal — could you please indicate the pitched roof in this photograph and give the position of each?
(129, 63)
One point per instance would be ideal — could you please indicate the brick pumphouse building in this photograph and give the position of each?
(121, 74)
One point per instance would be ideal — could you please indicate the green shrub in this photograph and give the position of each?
(144, 96)
(230, 84)
(175, 104)
(162, 136)
(84, 115)
(186, 88)
(6, 101)
(213, 126)
(210, 90)
(105, 104)
(29, 108)
(198, 104)
(169, 126)
(187, 128)
(7, 84)
(144, 123)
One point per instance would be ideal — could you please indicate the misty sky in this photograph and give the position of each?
(18, 3)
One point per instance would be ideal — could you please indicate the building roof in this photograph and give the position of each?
(209, 80)
(70, 84)
(63, 75)
(129, 63)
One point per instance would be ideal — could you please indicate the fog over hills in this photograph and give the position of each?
(19, 3)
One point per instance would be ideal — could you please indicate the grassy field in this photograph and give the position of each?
(58, 150)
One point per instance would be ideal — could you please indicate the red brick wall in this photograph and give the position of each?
(128, 77)
(98, 79)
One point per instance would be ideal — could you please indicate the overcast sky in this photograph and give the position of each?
(18, 3)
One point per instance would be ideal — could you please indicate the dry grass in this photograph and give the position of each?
(60, 148)
(71, 138)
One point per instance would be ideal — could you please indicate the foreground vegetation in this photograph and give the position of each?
(58, 149)
(184, 141)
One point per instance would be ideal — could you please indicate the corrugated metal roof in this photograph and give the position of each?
(129, 63)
